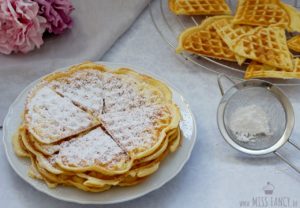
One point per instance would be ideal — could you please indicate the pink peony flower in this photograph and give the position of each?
(57, 13)
(21, 28)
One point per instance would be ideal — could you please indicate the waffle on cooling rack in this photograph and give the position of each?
(204, 40)
(199, 7)
(94, 128)
(261, 13)
(256, 32)
(259, 70)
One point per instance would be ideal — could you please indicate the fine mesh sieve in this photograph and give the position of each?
(276, 107)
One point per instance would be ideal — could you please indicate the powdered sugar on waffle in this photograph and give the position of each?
(120, 93)
(51, 117)
(94, 148)
(98, 91)
(123, 93)
(137, 128)
(84, 88)
(129, 108)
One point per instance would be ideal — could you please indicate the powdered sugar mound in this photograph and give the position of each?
(51, 117)
(94, 148)
(84, 88)
(138, 128)
(249, 122)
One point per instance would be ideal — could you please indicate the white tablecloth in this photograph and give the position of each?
(216, 175)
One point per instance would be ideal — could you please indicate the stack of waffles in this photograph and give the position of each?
(256, 32)
(94, 128)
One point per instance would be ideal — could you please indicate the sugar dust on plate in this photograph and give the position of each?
(249, 123)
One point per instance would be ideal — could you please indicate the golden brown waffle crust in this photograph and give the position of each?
(294, 43)
(177, 9)
(258, 70)
(241, 10)
(205, 26)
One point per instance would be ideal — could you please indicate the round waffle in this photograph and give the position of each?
(93, 128)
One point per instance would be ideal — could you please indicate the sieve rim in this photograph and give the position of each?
(282, 98)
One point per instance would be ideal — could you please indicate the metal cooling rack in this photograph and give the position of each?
(169, 26)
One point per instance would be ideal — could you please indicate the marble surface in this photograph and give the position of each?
(216, 175)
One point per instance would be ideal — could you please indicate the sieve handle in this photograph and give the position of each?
(220, 76)
(294, 145)
(287, 162)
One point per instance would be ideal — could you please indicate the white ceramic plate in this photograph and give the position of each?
(169, 168)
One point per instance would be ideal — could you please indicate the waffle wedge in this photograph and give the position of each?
(266, 45)
(142, 130)
(203, 40)
(258, 70)
(294, 16)
(294, 43)
(231, 33)
(199, 7)
(51, 118)
(165, 95)
(100, 154)
(82, 87)
(53, 175)
(261, 13)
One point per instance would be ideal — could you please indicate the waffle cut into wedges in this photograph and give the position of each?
(95, 128)
(199, 7)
